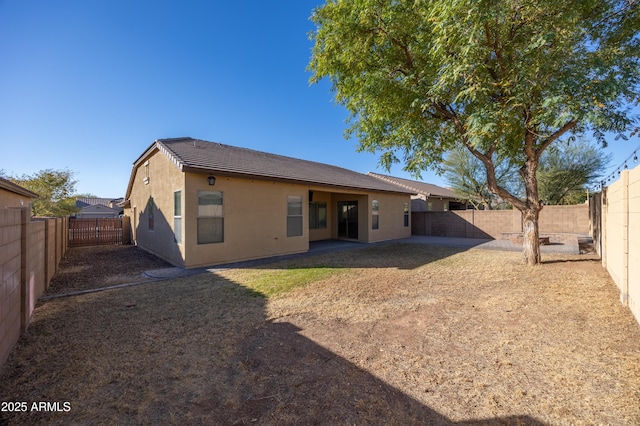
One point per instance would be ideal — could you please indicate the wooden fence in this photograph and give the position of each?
(103, 231)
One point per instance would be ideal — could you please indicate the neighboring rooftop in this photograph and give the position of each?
(195, 155)
(16, 189)
(418, 187)
(89, 201)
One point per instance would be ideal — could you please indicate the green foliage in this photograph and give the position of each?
(278, 281)
(567, 169)
(467, 176)
(505, 77)
(55, 189)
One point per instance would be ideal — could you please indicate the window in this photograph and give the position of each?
(150, 218)
(210, 217)
(406, 214)
(318, 215)
(375, 221)
(294, 216)
(177, 216)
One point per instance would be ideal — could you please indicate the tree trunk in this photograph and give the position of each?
(530, 239)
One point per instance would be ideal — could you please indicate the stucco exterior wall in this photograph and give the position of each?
(153, 194)
(11, 199)
(255, 220)
(363, 213)
(323, 233)
(254, 212)
(391, 217)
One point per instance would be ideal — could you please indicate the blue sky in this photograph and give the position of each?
(89, 85)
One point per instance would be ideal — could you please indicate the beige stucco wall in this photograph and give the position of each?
(164, 179)
(255, 215)
(11, 199)
(324, 233)
(391, 217)
(255, 220)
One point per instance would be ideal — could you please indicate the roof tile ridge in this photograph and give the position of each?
(171, 154)
(394, 181)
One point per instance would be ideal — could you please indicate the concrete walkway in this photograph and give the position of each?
(333, 246)
(486, 244)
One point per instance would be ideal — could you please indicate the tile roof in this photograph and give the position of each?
(90, 201)
(211, 157)
(417, 187)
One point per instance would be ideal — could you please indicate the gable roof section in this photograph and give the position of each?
(195, 155)
(424, 188)
(16, 189)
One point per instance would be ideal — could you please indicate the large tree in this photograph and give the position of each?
(55, 189)
(466, 175)
(502, 78)
(567, 170)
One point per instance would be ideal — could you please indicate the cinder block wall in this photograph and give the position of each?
(496, 223)
(621, 236)
(30, 252)
(566, 219)
(493, 223)
(33, 269)
(10, 267)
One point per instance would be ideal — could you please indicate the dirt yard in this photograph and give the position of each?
(393, 334)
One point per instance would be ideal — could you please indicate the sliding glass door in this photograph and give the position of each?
(348, 219)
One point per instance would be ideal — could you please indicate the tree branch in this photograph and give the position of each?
(561, 131)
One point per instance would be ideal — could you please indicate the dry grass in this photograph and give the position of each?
(86, 268)
(397, 334)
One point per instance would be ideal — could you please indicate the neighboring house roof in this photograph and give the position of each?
(16, 189)
(108, 202)
(98, 210)
(424, 188)
(194, 155)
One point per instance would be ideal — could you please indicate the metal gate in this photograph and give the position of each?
(98, 231)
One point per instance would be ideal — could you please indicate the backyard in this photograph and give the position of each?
(385, 334)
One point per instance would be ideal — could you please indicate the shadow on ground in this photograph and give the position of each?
(195, 350)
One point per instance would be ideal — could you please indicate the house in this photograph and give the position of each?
(428, 197)
(12, 195)
(98, 207)
(196, 203)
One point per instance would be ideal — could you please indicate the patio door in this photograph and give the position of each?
(348, 219)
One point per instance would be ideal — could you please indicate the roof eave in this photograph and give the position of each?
(256, 176)
(17, 189)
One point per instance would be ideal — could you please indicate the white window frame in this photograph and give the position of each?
(295, 222)
(177, 216)
(210, 211)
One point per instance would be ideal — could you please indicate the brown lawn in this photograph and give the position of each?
(391, 334)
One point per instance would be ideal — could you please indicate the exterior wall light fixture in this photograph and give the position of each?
(212, 180)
